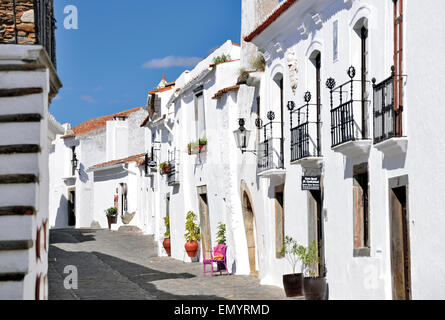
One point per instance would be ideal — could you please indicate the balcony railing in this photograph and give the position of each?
(387, 118)
(270, 150)
(173, 172)
(45, 27)
(305, 135)
(348, 115)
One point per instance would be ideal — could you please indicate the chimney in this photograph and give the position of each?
(253, 12)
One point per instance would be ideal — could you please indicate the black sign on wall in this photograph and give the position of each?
(311, 183)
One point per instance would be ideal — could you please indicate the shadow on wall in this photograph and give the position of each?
(62, 214)
(98, 276)
(83, 175)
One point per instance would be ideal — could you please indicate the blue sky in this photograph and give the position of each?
(109, 63)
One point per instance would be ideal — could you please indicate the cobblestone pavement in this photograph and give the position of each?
(117, 265)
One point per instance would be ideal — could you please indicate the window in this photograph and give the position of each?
(361, 211)
(335, 41)
(200, 125)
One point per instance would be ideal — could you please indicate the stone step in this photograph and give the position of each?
(20, 148)
(36, 78)
(20, 133)
(132, 229)
(9, 230)
(35, 103)
(13, 195)
(19, 163)
(11, 289)
(18, 92)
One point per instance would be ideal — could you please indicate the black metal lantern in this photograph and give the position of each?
(242, 136)
(74, 162)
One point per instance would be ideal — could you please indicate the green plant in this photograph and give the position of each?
(193, 233)
(309, 257)
(242, 71)
(258, 63)
(167, 226)
(221, 234)
(203, 141)
(292, 251)
(111, 212)
(221, 59)
(192, 147)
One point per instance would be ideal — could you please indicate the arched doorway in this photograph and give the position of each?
(249, 226)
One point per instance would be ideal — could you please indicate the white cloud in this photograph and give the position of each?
(172, 61)
(88, 98)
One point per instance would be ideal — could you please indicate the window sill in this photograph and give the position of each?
(362, 253)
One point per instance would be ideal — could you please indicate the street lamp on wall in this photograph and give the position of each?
(242, 136)
(74, 163)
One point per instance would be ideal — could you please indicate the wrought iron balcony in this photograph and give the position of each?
(173, 172)
(387, 116)
(305, 134)
(348, 115)
(270, 150)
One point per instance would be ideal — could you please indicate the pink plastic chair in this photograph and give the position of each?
(220, 249)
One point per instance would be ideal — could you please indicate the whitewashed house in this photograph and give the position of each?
(28, 83)
(354, 164)
(200, 181)
(98, 167)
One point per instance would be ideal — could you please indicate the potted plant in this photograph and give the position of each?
(193, 147)
(111, 214)
(314, 287)
(192, 235)
(293, 283)
(165, 167)
(202, 144)
(166, 243)
(221, 234)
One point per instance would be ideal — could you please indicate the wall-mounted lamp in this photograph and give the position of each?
(242, 136)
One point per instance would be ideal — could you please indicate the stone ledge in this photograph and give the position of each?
(16, 245)
(22, 67)
(28, 117)
(18, 179)
(18, 92)
(12, 277)
(17, 211)
(20, 148)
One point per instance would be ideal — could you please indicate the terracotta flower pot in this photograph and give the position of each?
(202, 148)
(293, 284)
(167, 245)
(192, 248)
(314, 288)
(111, 220)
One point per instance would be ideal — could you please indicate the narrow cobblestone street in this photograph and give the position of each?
(117, 265)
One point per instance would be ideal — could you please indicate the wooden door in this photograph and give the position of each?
(72, 208)
(279, 220)
(204, 223)
(400, 251)
(249, 220)
(316, 227)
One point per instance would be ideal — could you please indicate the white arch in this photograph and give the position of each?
(363, 12)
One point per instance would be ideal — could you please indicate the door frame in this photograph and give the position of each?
(246, 195)
(206, 238)
(396, 183)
